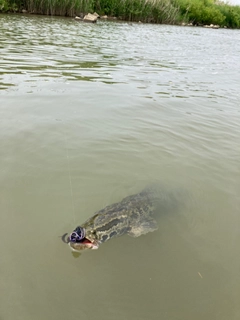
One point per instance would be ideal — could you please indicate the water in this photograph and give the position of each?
(92, 113)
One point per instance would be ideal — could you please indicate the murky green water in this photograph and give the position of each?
(92, 113)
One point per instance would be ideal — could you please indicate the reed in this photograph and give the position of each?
(155, 11)
(59, 7)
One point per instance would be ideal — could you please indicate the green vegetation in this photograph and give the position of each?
(205, 12)
(197, 12)
(156, 11)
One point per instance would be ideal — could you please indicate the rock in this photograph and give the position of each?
(213, 26)
(24, 11)
(77, 18)
(96, 14)
(104, 17)
(111, 18)
(90, 18)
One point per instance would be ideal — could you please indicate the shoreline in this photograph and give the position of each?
(209, 14)
(114, 19)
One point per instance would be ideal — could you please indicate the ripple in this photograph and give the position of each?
(61, 48)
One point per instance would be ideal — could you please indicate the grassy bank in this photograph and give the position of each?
(198, 12)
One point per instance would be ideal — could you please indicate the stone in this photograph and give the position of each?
(90, 18)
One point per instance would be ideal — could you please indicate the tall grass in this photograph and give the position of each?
(58, 7)
(156, 11)
(48, 7)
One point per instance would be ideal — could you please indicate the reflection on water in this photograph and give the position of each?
(92, 113)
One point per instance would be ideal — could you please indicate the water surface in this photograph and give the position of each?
(92, 113)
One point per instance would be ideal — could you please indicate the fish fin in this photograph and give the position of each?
(145, 226)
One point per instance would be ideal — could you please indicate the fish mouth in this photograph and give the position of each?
(78, 240)
(83, 244)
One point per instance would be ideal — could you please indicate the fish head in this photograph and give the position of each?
(80, 240)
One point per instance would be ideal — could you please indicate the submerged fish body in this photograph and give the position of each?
(132, 216)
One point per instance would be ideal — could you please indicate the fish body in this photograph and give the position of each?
(132, 216)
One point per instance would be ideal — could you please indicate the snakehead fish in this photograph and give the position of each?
(133, 216)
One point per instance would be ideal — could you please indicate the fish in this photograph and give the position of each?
(132, 216)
